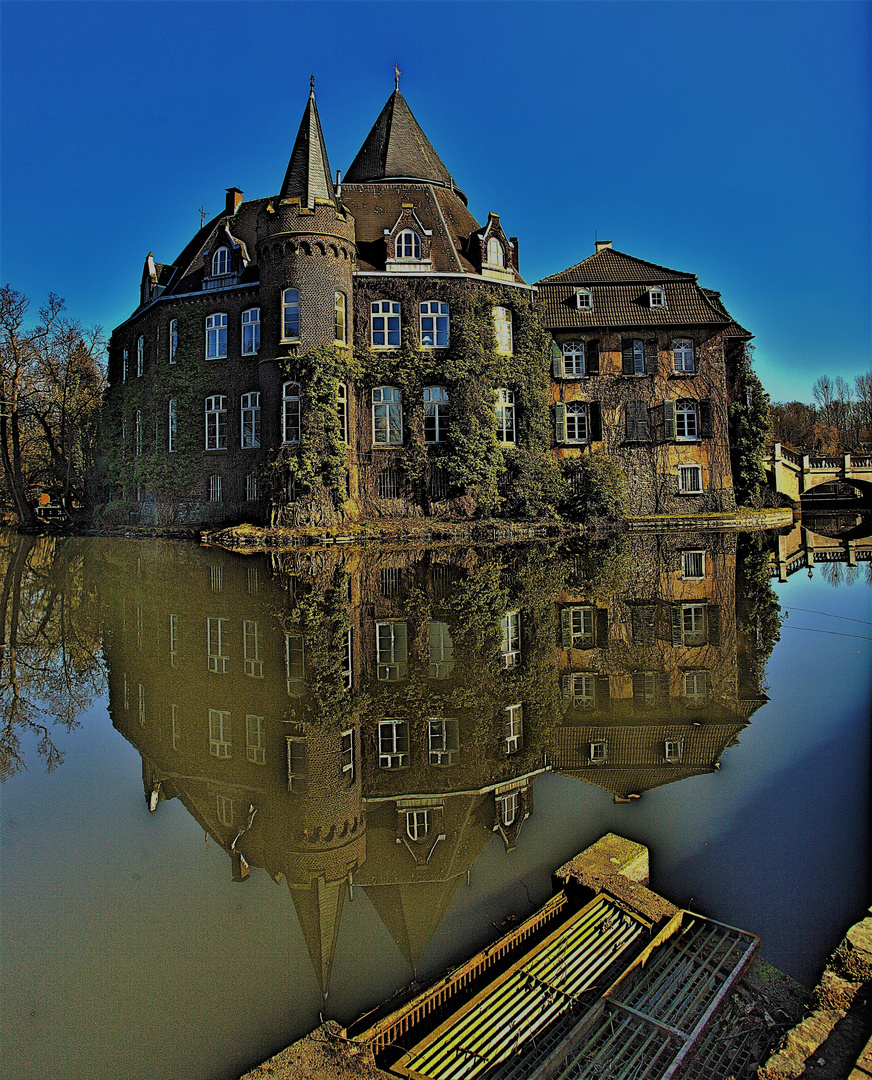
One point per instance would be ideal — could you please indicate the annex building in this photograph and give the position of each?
(344, 351)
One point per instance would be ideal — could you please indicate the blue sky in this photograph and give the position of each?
(728, 139)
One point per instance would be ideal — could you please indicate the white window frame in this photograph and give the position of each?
(687, 485)
(495, 253)
(686, 421)
(510, 639)
(443, 741)
(504, 408)
(509, 806)
(578, 429)
(290, 315)
(220, 733)
(387, 416)
(584, 299)
(574, 359)
(221, 262)
(250, 331)
(441, 649)
(393, 744)
(408, 245)
(249, 420)
(694, 689)
(598, 752)
(385, 326)
(418, 823)
(391, 650)
(435, 324)
(255, 739)
(216, 422)
(657, 297)
(225, 809)
(339, 318)
(583, 689)
(125, 364)
(215, 488)
(348, 660)
(252, 663)
(216, 656)
(292, 413)
(342, 411)
(216, 336)
(436, 412)
(693, 566)
(140, 355)
(173, 340)
(582, 627)
(502, 317)
(513, 740)
(172, 425)
(673, 750)
(683, 356)
(346, 753)
(693, 625)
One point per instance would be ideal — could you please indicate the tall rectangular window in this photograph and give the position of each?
(391, 651)
(686, 426)
(255, 739)
(140, 355)
(505, 413)
(385, 324)
(443, 741)
(510, 639)
(137, 433)
(441, 650)
(503, 330)
(387, 416)
(176, 726)
(174, 339)
(291, 315)
(250, 331)
(251, 649)
(215, 488)
(346, 752)
(435, 413)
(220, 734)
(342, 411)
(297, 763)
(693, 624)
(216, 647)
(393, 744)
(514, 728)
(174, 638)
(290, 413)
(172, 426)
(250, 409)
(216, 422)
(125, 365)
(295, 663)
(347, 660)
(683, 359)
(339, 317)
(573, 359)
(434, 325)
(251, 494)
(216, 336)
(577, 628)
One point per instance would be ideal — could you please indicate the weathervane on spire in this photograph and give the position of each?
(397, 74)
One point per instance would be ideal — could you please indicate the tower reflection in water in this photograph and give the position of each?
(369, 721)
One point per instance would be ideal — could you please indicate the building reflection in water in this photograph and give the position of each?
(349, 721)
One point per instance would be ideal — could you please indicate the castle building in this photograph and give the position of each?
(341, 351)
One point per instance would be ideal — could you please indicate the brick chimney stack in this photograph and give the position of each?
(234, 201)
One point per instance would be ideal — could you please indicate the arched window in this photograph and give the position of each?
(216, 337)
(221, 262)
(250, 331)
(387, 416)
(577, 430)
(291, 315)
(573, 358)
(216, 422)
(290, 413)
(339, 317)
(434, 325)
(408, 245)
(435, 413)
(385, 324)
(496, 253)
(685, 420)
(682, 355)
(417, 824)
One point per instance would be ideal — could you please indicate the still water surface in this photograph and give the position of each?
(358, 765)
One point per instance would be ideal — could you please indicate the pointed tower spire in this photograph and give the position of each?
(308, 176)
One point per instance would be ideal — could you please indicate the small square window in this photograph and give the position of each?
(690, 479)
(692, 564)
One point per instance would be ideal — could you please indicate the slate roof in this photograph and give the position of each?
(619, 284)
(397, 148)
(243, 225)
(308, 176)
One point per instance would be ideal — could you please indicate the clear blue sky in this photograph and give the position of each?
(728, 139)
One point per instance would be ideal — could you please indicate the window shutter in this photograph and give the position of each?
(566, 687)
(560, 422)
(565, 635)
(669, 420)
(705, 419)
(637, 421)
(601, 691)
(713, 619)
(591, 358)
(663, 687)
(652, 358)
(627, 358)
(595, 421)
(636, 617)
(556, 360)
(677, 636)
(639, 688)
(648, 625)
(602, 628)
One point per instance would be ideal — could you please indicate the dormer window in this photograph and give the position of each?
(584, 300)
(408, 245)
(221, 262)
(496, 253)
(656, 297)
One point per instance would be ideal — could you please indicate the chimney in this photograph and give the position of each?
(513, 240)
(234, 201)
(338, 184)
(600, 244)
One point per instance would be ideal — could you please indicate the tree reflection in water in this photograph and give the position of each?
(51, 668)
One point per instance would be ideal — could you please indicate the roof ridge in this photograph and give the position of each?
(608, 253)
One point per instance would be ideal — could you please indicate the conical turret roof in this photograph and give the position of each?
(397, 148)
(308, 176)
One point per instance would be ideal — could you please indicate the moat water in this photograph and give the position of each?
(390, 754)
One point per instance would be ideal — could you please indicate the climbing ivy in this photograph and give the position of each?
(750, 422)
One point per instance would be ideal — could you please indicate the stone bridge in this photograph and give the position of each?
(794, 475)
(802, 549)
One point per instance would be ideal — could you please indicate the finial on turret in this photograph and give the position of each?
(397, 74)
(312, 84)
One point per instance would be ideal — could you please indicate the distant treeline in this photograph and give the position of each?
(839, 420)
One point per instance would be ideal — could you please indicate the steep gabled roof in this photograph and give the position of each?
(397, 149)
(609, 266)
(308, 176)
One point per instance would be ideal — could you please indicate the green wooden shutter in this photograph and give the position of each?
(636, 618)
(591, 358)
(601, 691)
(677, 635)
(713, 621)
(647, 613)
(560, 422)
(663, 688)
(705, 419)
(566, 687)
(565, 630)
(642, 431)
(595, 421)
(652, 358)
(669, 420)
(602, 628)
(556, 360)
(639, 688)
(627, 358)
